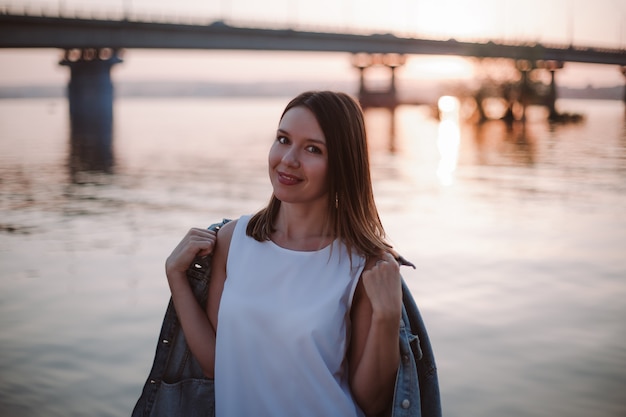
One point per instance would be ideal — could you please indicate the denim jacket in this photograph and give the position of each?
(176, 385)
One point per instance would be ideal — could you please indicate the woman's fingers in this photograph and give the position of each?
(197, 242)
(383, 286)
(387, 259)
(200, 242)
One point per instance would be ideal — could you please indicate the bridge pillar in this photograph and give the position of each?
(524, 67)
(379, 97)
(90, 94)
(624, 73)
(550, 100)
(385, 98)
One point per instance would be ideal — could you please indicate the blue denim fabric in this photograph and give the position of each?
(417, 384)
(176, 385)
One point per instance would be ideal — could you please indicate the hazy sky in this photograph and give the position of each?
(581, 22)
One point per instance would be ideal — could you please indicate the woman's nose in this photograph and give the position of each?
(291, 158)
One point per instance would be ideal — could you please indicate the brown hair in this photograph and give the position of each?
(353, 217)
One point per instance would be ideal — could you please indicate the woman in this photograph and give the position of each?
(305, 299)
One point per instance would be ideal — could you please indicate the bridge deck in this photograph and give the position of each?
(22, 31)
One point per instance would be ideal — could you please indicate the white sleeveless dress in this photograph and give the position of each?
(283, 330)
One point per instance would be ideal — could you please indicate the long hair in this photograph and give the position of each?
(352, 213)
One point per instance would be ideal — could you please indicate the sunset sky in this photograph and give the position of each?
(600, 23)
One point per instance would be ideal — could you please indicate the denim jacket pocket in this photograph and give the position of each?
(187, 398)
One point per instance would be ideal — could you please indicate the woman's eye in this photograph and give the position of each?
(313, 149)
(282, 140)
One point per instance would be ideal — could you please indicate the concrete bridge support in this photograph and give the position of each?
(550, 100)
(520, 96)
(90, 94)
(623, 69)
(382, 98)
(387, 97)
(523, 94)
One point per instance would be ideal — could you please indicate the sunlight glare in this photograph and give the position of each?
(448, 139)
(439, 67)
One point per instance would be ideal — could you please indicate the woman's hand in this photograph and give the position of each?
(383, 286)
(197, 242)
(199, 333)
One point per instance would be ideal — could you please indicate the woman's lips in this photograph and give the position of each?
(287, 179)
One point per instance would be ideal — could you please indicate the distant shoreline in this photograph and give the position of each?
(217, 89)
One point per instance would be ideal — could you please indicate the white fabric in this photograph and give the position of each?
(283, 329)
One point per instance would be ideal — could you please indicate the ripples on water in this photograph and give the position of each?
(519, 235)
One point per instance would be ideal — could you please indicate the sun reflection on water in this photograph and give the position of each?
(448, 139)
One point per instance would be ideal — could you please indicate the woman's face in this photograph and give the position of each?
(298, 159)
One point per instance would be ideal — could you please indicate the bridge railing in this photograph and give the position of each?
(108, 13)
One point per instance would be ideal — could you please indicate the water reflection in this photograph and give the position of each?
(499, 143)
(520, 268)
(448, 139)
(91, 151)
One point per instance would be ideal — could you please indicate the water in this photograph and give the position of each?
(519, 237)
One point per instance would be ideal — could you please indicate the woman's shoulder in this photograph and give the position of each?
(222, 245)
(225, 233)
(227, 230)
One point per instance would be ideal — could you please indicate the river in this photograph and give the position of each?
(518, 234)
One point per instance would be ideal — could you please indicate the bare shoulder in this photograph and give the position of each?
(224, 236)
(226, 231)
(218, 270)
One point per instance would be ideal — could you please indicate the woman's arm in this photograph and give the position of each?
(374, 354)
(198, 329)
(218, 277)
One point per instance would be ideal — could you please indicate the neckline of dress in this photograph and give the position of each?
(322, 249)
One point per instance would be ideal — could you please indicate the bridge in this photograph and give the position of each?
(21, 31)
(92, 45)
